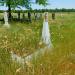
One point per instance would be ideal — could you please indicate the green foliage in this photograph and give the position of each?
(43, 2)
(16, 3)
(24, 3)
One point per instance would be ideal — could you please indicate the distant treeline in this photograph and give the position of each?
(42, 10)
(54, 10)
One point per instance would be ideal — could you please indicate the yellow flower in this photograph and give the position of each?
(29, 30)
(28, 64)
(40, 43)
(5, 36)
(18, 70)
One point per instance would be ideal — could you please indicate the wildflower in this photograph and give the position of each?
(6, 42)
(5, 36)
(41, 64)
(29, 30)
(40, 43)
(28, 64)
(18, 70)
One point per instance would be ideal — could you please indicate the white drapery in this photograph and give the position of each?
(46, 37)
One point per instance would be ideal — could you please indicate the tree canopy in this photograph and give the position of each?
(17, 3)
(23, 3)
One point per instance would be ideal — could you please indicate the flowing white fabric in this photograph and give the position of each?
(46, 34)
(6, 19)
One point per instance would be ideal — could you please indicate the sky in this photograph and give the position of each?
(57, 4)
(53, 4)
(62, 3)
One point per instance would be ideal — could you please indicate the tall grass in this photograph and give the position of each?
(24, 38)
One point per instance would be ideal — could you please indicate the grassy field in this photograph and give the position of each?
(25, 38)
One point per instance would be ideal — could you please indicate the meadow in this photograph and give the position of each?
(25, 38)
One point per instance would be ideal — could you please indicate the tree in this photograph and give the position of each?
(17, 3)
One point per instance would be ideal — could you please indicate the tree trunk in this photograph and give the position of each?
(29, 16)
(9, 12)
(53, 16)
(23, 17)
(19, 16)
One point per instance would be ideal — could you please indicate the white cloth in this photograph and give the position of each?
(6, 19)
(45, 34)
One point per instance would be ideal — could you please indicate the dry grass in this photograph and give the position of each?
(25, 38)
